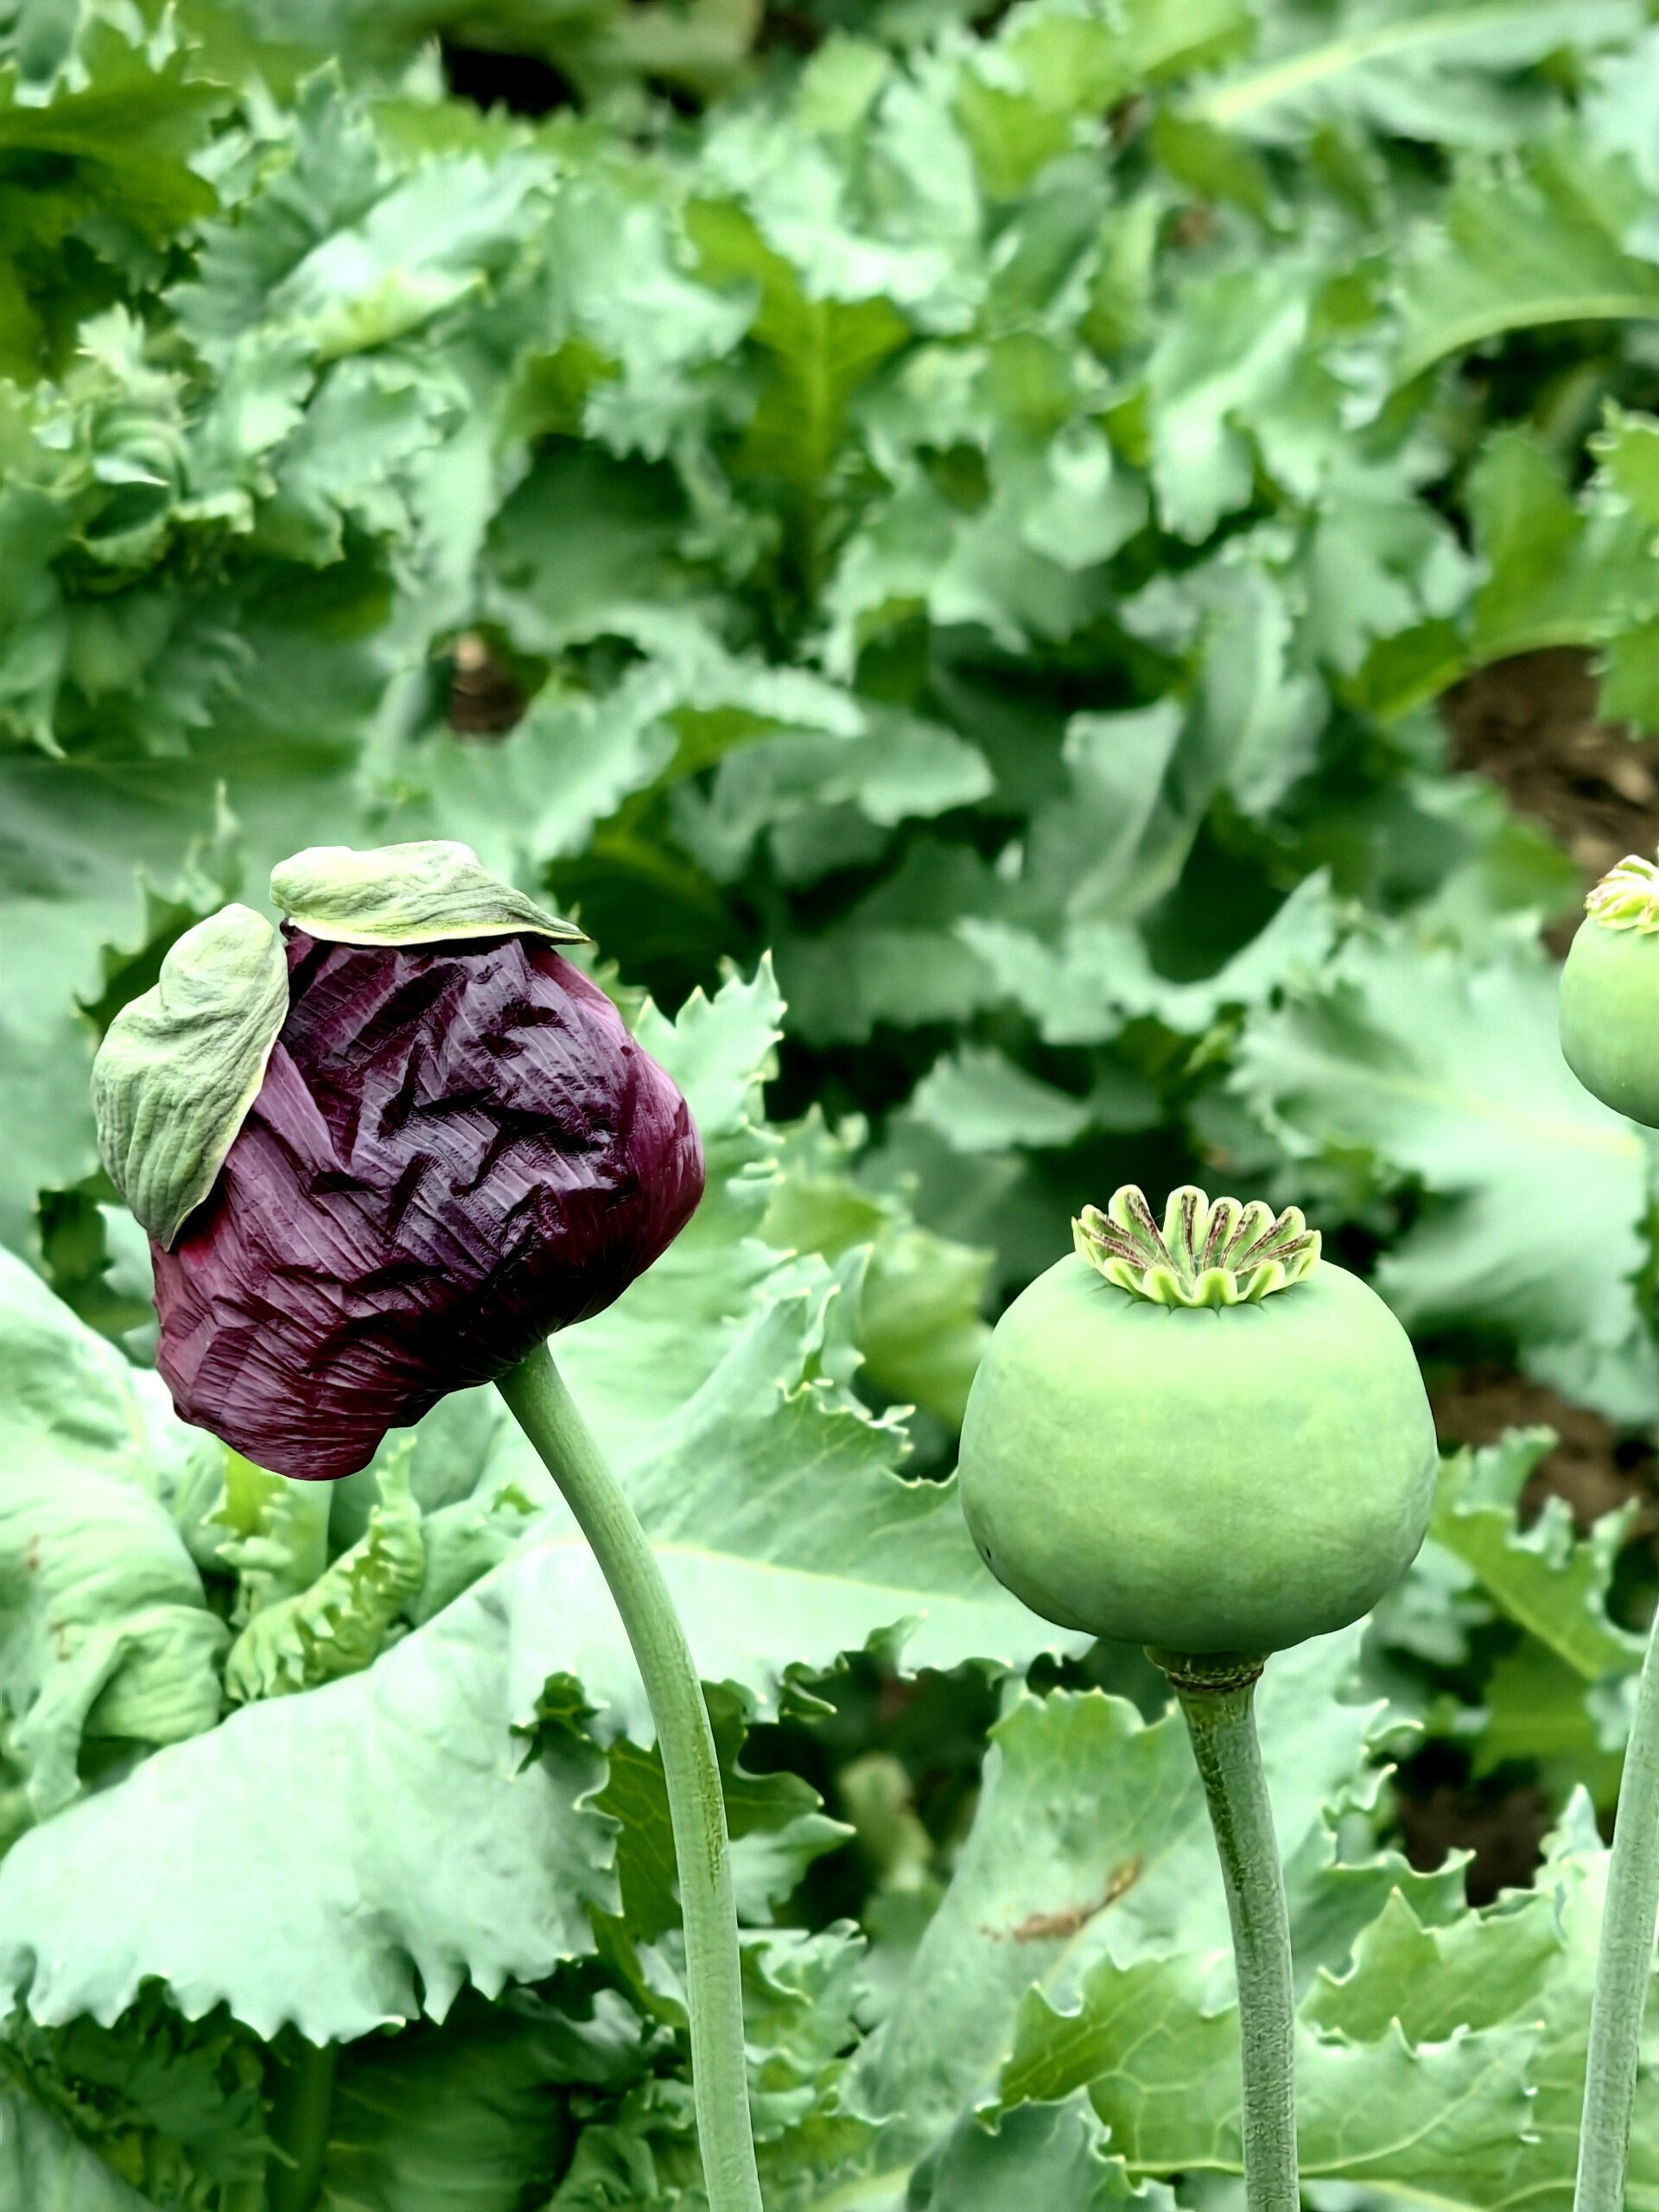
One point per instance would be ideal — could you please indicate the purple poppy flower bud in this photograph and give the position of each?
(455, 1148)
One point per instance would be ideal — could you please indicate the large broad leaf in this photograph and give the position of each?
(1452, 1076)
(1090, 1843)
(819, 349)
(1527, 1961)
(1054, 2155)
(379, 1824)
(1440, 2052)
(1561, 571)
(104, 1630)
(1445, 2119)
(897, 957)
(1544, 1579)
(1100, 975)
(469, 2114)
(783, 1532)
(385, 1843)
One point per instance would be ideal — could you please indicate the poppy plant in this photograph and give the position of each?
(383, 1153)
(1610, 1039)
(1199, 1435)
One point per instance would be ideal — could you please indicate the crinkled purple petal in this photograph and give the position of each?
(456, 1150)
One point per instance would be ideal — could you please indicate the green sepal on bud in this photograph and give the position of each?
(181, 1063)
(430, 893)
(1610, 993)
(1206, 1254)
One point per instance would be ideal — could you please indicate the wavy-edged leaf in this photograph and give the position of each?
(385, 1843)
(1161, 2061)
(1561, 571)
(1054, 2155)
(1449, 76)
(1544, 1578)
(1450, 1073)
(1090, 1842)
(104, 1629)
(1523, 244)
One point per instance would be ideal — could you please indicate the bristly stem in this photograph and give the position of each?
(544, 1409)
(1625, 1960)
(1216, 1695)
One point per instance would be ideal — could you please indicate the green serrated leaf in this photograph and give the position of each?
(1451, 1073)
(1543, 1579)
(1088, 1843)
(1520, 245)
(1451, 76)
(1562, 572)
(339, 1623)
(1162, 2066)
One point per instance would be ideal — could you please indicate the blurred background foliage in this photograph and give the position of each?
(1115, 539)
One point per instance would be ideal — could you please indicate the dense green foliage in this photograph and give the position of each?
(981, 509)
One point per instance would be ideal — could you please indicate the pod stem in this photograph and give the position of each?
(1216, 1693)
(537, 1396)
(1624, 1960)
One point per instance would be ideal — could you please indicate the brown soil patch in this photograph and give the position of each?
(1595, 1467)
(1505, 1834)
(1530, 725)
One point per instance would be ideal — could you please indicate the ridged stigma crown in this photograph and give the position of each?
(1208, 1252)
(1627, 898)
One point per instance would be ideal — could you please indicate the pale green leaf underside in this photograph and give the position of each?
(421, 893)
(181, 1064)
(339, 1859)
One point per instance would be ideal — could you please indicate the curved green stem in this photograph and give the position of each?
(1216, 1695)
(299, 2127)
(544, 1409)
(1625, 1960)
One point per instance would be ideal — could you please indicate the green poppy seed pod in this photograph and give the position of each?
(1610, 993)
(1198, 1435)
